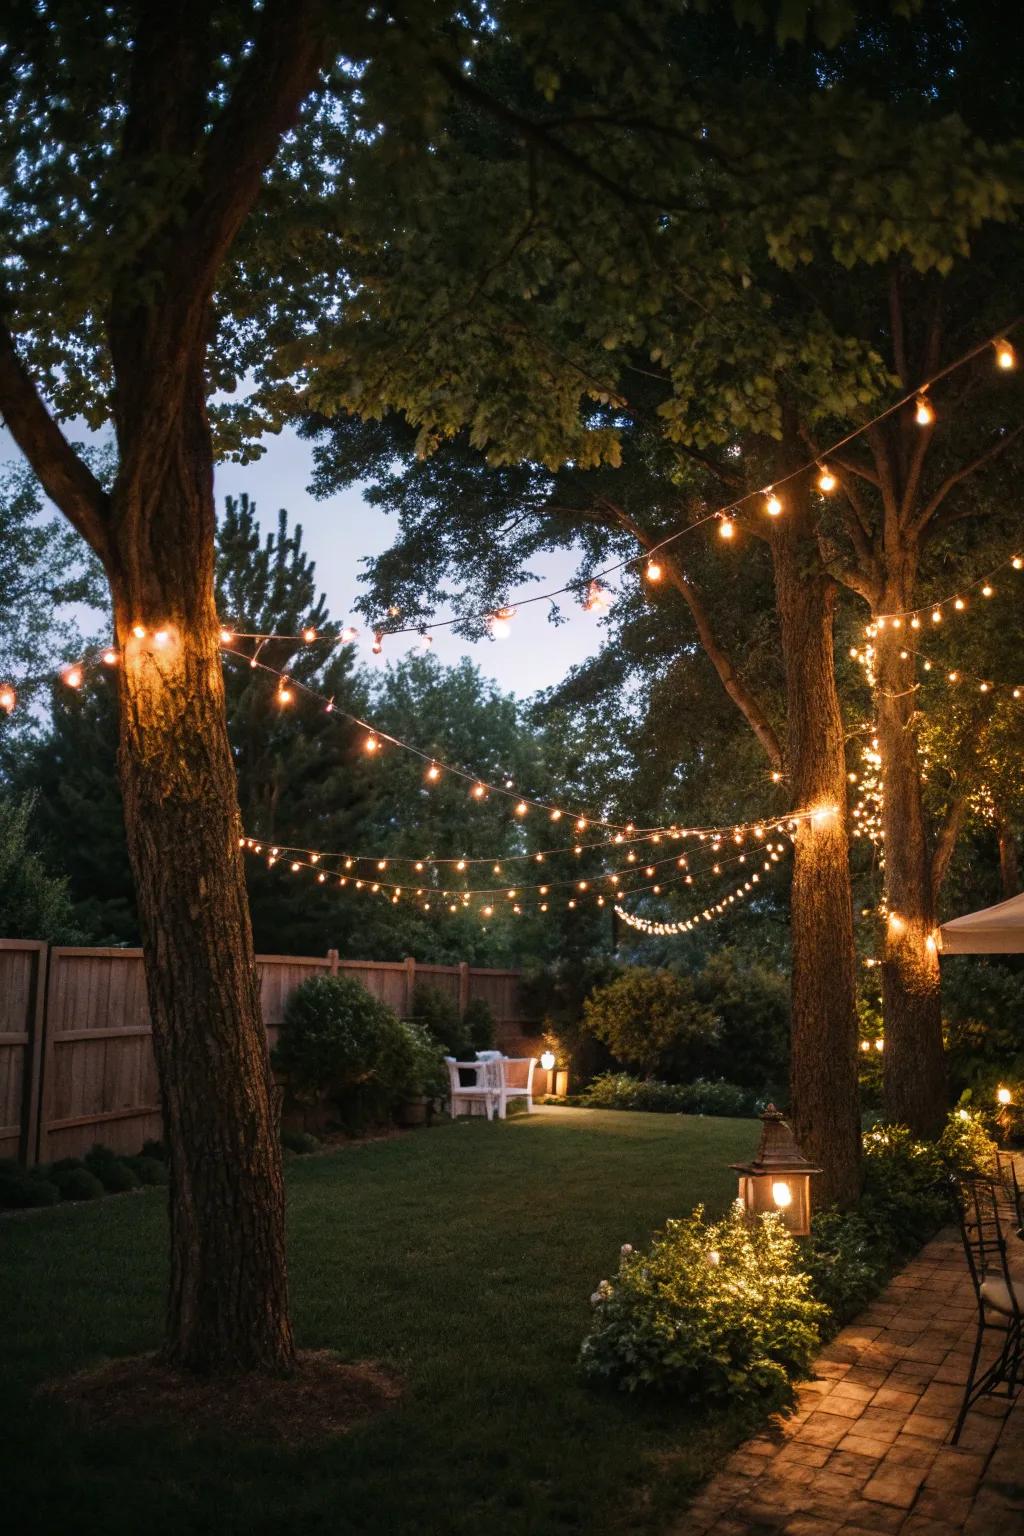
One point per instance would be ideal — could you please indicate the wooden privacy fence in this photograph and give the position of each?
(76, 1048)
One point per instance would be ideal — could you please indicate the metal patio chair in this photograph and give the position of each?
(998, 1295)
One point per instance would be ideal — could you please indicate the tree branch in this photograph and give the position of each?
(735, 687)
(945, 844)
(932, 506)
(68, 482)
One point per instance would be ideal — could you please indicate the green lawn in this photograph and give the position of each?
(463, 1257)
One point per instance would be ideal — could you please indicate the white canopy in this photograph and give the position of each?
(995, 930)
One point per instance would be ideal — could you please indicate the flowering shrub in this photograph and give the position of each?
(617, 1090)
(719, 1310)
(736, 1309)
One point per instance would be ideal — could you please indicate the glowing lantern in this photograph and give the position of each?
(779, 1178)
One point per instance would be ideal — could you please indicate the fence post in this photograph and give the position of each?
(332, 955)
(463, 985)
(37, 1060)
(410, 984)
(35, 1025)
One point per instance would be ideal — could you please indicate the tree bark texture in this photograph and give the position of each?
(823, 1038)
(228, 1307)
(914, 1073)
(1009, 862)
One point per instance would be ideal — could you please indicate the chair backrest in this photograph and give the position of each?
(1006, 1172)
(517, 1073)
(982, 1232)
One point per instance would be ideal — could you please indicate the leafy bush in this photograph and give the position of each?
(715, 1312)
(77, 1184)
(148, 1170)
(652, 1020)
(438, 1013)
(750, 997)
(339, 1040)
(906, 1199)
(20, 1189)
(427, 1072)
(115, 1175)
(617, 1090)
(300, 1142)
(478, 1024)
(155, 1149)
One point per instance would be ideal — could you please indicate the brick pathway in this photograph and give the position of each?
(868, 1449)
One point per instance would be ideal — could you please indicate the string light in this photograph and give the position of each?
(1006, 357)
(73, 676)
(598, 598)
(726, 528)
(653, 571)
(309, 635)
(109, 658)
(500, 623)
(772, 504)
(8, 698)
(924, 411)
(826, 480)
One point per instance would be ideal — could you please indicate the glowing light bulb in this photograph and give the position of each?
(226, 637)
(915, 622)
(936, 616)
(987, 591)
(653, 571)
(478, 791)
(924, 411)
(1006, 357)
(880, 1044)
(309, 634)
(500, 628)
(522, 808)
(598, 598)
(776, 776)
(433, 773)
(8, 698)
(726, 528)
(772, 504)
(556, 814)
(378, 642)
(371, 744)
(72, 676)
(1018, 562)
(348, 634)
(138, 630)
(826, 480)
(1004, 1096)
(109, 658)
(547, 1060)
(782, 1194)
(959, 604)
(954, 677)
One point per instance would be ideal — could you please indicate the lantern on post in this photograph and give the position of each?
(779, 1178)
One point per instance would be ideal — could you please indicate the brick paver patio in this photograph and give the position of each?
(868, 1449)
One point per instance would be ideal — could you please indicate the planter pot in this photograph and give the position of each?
(414, 1112)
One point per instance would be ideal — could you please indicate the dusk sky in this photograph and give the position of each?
(340, 532)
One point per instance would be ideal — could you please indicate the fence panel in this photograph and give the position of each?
(76, 1047)
(22, 991)
(99, 1075)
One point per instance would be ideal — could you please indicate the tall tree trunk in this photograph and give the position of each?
(1009, 864)
(228, 1305)
(823, 1050)
(914, 1074)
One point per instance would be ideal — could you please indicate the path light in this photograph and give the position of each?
(779, 1178)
